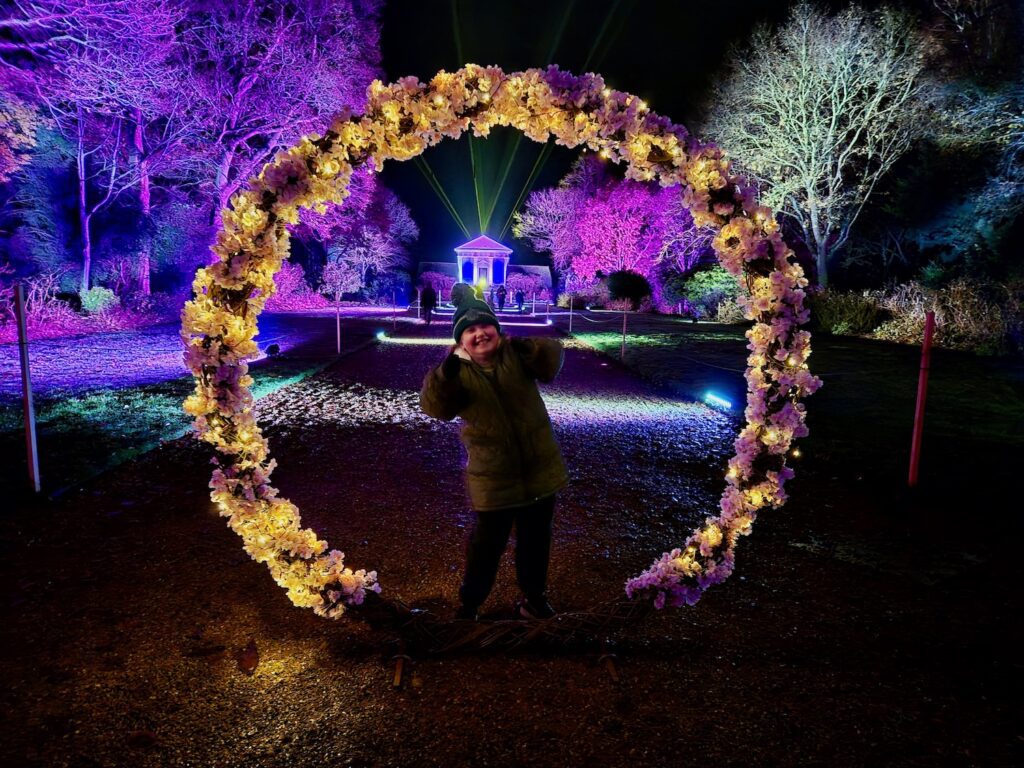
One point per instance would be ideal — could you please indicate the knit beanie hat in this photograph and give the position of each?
(469, 310)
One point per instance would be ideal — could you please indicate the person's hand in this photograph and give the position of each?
(450, 366)
(521, 346)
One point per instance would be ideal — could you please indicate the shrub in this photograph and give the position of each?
(45, 314)
(844, 313)
(705, 290)
(968, 315)
(729, 311)
(528, 284)
(972, 317)
(293, 292)
(627, 285)
(620, 305)
(1014, 313)
(98, 300)
(594, 295)
(442, 283)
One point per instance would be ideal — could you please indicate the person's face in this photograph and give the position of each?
(480, 341)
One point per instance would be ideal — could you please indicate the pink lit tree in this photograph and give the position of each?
(371, 232)
(594, 224)
(622, 228)
(549, 222)
(266, 73)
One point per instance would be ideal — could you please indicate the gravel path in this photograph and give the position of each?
(128, 603)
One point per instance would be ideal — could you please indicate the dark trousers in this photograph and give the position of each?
(487, 544)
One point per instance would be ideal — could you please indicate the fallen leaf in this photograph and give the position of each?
(205, 649)
(248, 658)
(142, 739)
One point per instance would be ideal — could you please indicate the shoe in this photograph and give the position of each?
(467, 613)
(537, 610)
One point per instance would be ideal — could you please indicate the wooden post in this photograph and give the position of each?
(622, 350)
(533, 308)
(399, 659)
(419, 303)
(337, 319)
(570, 313)
(608, 659)
(31, 447)
(922, 392)
(394, 312)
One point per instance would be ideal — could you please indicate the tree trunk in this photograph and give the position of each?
(83, 203)
(145, 204)
(222, 187)
(821, 250)
(822, 263)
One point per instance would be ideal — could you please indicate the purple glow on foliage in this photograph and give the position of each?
(596, 223)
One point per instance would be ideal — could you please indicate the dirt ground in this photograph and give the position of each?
(865, 625)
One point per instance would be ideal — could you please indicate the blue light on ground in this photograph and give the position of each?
(718, 402)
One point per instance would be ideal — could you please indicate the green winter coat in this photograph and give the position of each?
(513, 457)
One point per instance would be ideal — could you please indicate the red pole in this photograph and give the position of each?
(31, 447)
(622, 349)
(922, 392)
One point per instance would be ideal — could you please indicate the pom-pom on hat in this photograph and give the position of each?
(469, 310)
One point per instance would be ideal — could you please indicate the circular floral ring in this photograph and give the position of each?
(401, 121)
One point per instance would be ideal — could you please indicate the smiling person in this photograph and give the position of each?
(514, 465)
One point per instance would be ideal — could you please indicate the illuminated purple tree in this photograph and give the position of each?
(684, 247)
(595, 223)
(266, 73)
(622, 228)
(371, 231)
(549, 220)
(101, 71)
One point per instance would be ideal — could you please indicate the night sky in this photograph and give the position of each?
(668, 52)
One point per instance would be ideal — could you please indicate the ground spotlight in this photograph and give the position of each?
(718, 402)
(381, 335)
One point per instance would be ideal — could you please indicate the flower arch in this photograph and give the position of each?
(401, 121)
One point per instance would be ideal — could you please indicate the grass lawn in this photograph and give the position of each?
(861, 420)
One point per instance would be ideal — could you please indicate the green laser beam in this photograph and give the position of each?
(511, 156)
(428, 174)
(476, 182)
(610, 42)
(600, 35)
(455, 31)
(561, 31)
(542, 156)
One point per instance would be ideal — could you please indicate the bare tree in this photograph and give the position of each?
(818, 112)
(101, 70)
(266, 73)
